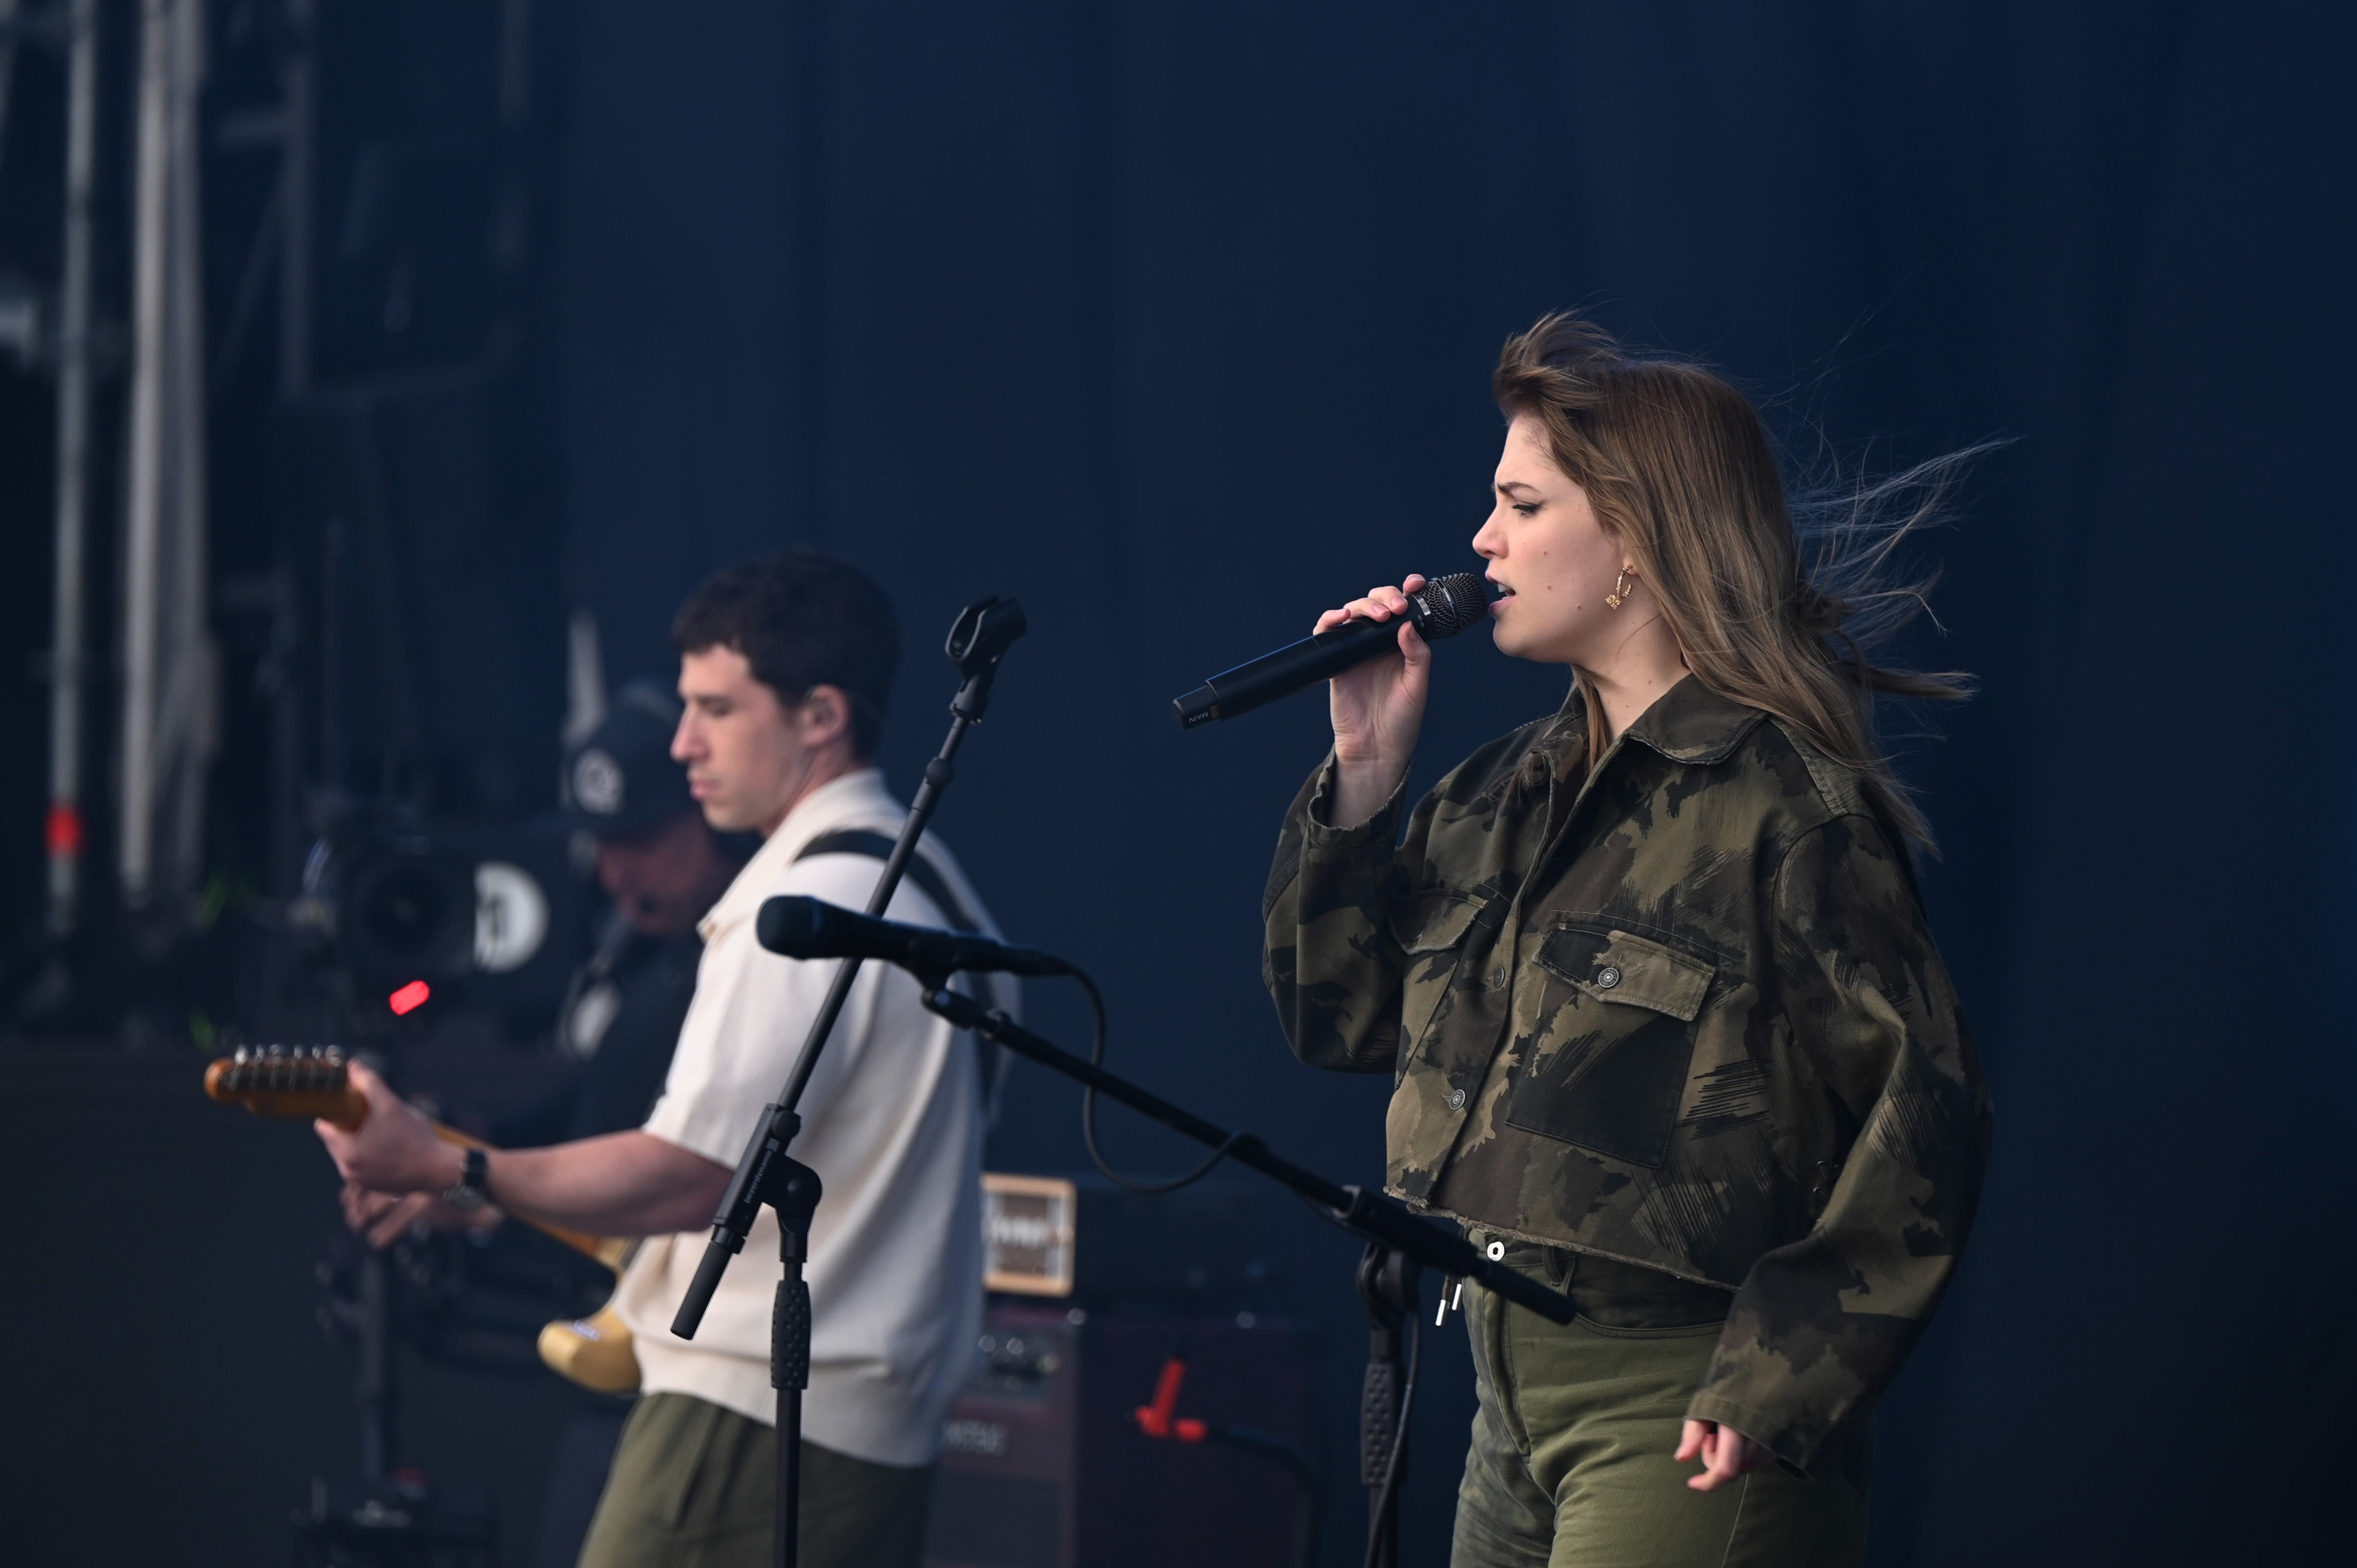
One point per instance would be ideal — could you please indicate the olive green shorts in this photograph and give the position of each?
(1576, 1425)
(695, 1486)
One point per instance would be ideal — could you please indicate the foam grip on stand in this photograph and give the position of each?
(789, 1332)
(1379, 1399)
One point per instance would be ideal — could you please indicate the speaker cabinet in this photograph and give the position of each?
(1046, 1466)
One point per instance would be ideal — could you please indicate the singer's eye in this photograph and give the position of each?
(1528, 509)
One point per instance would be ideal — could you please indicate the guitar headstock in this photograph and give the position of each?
(274, 1081)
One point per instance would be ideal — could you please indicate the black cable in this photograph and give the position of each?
(1089, 1111)
(1385, 1499)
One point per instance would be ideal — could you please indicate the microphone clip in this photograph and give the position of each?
(978, 639)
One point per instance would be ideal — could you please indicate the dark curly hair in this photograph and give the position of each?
(801, 620)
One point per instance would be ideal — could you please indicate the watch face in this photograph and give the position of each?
(469, 1193)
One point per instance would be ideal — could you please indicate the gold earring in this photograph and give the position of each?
(1620, 594)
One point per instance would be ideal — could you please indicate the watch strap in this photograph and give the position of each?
(473, 1189)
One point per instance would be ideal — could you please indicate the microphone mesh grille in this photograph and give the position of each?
(1452, 604)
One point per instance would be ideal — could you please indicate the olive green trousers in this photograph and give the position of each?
(695, 1486)
(1571, 1467)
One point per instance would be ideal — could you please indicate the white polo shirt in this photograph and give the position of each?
(892, 1122)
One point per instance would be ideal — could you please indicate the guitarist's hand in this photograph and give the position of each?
(385, 1218)
(617, 1184)
(394, 1150)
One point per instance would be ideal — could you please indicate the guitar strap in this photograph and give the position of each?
(923, 872)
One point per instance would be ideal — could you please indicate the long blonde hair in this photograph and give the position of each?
(1681, 472)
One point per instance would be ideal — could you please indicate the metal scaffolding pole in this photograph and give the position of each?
(66, 662)
(298, 76)
(168, 672)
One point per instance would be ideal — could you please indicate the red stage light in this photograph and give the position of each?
(64, 832)
(410, 997)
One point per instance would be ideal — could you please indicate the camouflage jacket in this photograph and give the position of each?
(1681, 1011)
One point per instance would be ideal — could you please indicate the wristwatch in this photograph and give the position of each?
(472, 1190)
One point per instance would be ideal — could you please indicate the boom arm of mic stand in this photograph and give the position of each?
(1370, 1215)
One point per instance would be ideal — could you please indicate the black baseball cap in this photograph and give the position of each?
(620, 779)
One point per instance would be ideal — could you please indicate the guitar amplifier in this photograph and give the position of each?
(1046, 1465)
(1085, 1242)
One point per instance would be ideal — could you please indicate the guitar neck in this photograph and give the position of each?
(314, 1084)
(613, 1251)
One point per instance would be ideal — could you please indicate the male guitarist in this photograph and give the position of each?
(785, 669)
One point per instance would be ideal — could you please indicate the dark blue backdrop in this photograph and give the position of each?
(1176, 319)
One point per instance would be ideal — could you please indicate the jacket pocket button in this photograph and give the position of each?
(1606, 978)
(1457, 1099)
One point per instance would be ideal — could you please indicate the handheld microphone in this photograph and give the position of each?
(1442, 608)
(811, 927)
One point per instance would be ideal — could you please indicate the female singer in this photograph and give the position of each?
(1666, 1028)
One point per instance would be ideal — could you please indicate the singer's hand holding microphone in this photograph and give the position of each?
(1378, 702)
(1377, 707)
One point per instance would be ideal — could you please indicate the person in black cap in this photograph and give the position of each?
(663, 867)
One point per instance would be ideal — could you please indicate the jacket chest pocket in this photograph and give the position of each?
(1607, 1067)
(1433, 932)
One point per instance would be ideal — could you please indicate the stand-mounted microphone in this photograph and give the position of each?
(811, 927)
(1442, 608)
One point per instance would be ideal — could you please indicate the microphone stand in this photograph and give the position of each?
(1398, 1244)
(977, 641)
(1387, 1283)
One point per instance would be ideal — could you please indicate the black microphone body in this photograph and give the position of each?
(811, 928)
(1442, 608)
